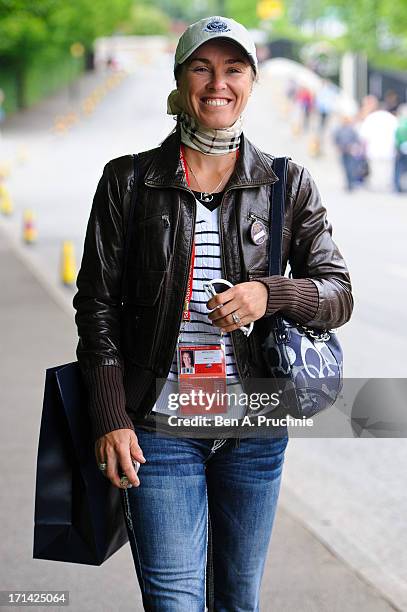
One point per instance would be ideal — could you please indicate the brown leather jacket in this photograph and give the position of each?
(141, 337)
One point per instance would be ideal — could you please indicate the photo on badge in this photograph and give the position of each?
(187, 362)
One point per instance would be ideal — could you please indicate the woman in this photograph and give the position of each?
(201, 213)
(187, 363)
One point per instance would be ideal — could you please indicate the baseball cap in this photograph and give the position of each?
(214, 27)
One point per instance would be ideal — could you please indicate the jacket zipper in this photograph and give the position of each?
(184, 288)
(254, 217)
(237, 443)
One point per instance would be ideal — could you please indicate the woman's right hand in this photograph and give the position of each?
(117, 448)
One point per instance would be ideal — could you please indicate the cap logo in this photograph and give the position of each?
(216, 25)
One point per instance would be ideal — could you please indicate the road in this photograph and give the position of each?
(350, 492)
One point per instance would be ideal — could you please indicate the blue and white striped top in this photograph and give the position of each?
(207, 266)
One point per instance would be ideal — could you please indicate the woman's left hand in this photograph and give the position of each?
(247, 300)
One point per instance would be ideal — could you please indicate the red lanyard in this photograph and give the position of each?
(186, 315)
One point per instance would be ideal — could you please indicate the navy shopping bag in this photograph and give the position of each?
(78, 514)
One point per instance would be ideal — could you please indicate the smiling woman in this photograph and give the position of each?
(202, 212)
(214, 84)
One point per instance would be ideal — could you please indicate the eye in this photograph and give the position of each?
(201, 68)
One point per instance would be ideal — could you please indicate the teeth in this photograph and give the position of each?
(216, 102)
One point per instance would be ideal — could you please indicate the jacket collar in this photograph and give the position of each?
(252, 166)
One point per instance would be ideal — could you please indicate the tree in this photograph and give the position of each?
(49, 27)
(242, 11)
(147, 20)
(374, 27)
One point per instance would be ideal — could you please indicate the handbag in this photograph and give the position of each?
(308, 362)
(78, 516)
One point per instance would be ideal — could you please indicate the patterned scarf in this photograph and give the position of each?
(210, 141)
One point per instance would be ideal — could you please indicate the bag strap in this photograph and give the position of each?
(277, 209)
(127, 235)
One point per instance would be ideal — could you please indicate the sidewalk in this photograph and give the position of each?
(301, 574)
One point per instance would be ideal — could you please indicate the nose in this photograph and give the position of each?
(217, 80)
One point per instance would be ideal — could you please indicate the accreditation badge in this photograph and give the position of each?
(202, 376)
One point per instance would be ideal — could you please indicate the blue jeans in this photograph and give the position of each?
(349, 166)
(181, 483)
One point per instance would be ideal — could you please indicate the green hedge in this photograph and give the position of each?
(8, 85)
(43, 77)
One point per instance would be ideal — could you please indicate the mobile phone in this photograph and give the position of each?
(211, 291)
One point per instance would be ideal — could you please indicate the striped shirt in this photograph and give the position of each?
(207, 266)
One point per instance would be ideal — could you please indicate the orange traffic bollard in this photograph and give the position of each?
(6, 204)
(314, 146)
(30, 233)
(68, 263)
(5, 170)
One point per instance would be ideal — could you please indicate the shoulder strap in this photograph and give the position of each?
(277, 209)
(127, 233)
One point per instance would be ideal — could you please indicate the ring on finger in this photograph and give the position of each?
(236, 318)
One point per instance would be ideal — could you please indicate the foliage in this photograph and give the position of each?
(242, 11)
(43, 31)
(146, 20)
(374, 27)
(188, 11)
(27, 28)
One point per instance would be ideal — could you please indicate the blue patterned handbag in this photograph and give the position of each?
(308, 362)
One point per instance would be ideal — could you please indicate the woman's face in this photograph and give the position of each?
(186, 357)
(215, 83)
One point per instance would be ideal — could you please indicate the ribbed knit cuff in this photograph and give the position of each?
(107, 400)
(296, 298)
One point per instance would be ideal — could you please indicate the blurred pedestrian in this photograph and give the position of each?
(400, 161)
(391, 101)
(368, 105)
(291, 89)
(111, 62)
(325, 101)
(305, 99)
(202, 197)
(290, 95)
(351, 152)
(377, 132)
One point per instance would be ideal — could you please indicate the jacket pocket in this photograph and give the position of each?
(254, 215)
(141, 311)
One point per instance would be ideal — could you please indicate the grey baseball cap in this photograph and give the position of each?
(214, 27)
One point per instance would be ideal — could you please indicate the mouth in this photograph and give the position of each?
(216, 102)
